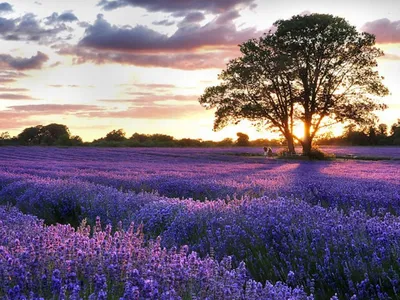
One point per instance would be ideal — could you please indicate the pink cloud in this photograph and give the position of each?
(151, 112)
(184, 61)
(386, 31)
(50, 109)
(149, 98)
(9, 96)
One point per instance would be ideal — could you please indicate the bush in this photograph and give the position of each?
(318, 154)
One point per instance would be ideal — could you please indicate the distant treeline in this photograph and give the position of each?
(59, 135)
(380, 135)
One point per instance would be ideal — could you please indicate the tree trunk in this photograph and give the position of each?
(307, 141)
(290, 143)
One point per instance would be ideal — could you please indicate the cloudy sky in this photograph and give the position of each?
(98, 65)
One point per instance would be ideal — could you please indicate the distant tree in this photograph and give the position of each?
(395, 127)
(138, 137)
(5, 136)
(161, 138)
(372, 136)
(188, 143)
(227, 142)
(55, 134)
(243, 139)
(312, 69)
(76, 140)
(115, 136)
(395, 133)
(31, 135)
(382, 129)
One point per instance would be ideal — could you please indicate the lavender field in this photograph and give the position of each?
(101, 223)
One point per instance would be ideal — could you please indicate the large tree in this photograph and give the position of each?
(313, 70)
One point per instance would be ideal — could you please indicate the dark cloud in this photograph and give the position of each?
(29, 28)
(164, 22)
(102, 35)
(66, 17)
(6, 25)
(192, 17)
(192, 46)
(386, 31)
(8, 96)
(19, 63)
(84, 24)
(5, 7)
(211, 6)
(220, 32)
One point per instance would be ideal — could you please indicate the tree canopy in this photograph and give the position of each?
(313, 70)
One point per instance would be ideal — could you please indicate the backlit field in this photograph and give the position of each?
(259, 228)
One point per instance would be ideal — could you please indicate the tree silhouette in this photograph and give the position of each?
(115, 136)
(311, 69)
(243, 139)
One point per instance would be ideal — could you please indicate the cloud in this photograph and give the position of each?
(152, 86)
(219, 33)
(102, 35)
(390, 56)
(54, 109)
(7, 76)
(29, 28)
(66, 17)
(5, 7)
(13, 120)
(149, 98)
(19, 63)
(164, 22)
(6, 25)
(20, 116)
(192, 17)
(173, 6)
(8, 96)
(151, 112)
(183, 61)
(11, 90)
(191, 47)
(70, 86)
(386, 31)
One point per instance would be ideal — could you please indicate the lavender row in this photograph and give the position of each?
(129, 153)
(372, 186)
(324, 250)
(57, 262)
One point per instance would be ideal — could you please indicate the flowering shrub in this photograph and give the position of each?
(57, 262)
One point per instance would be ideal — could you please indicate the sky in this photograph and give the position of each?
(141, 65)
